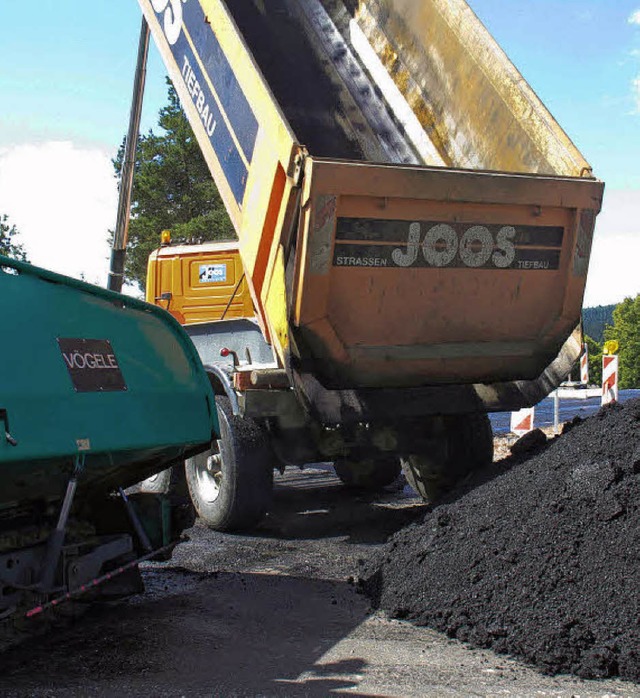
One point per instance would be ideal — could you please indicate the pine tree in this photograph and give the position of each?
(8, 246)
(172, 190)
(595, 360)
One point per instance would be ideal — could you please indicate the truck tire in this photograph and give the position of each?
(466, 446)
(371, 474)
(171, 482)
(231, 484)
(160, 483)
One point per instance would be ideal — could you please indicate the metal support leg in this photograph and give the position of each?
(135, 522)
(56, 539)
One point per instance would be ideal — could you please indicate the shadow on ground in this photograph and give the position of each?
(314, 504)
(231, 615)
(221, 634)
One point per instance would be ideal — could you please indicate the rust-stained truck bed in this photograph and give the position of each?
(414, 225)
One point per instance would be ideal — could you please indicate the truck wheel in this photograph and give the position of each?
(170, 482)
(160, 483)
(467, 445)
(231, 483)
(371, 474)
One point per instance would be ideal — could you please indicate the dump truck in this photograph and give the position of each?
(85, 378)
(414, 231)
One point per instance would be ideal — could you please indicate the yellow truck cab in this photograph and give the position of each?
(199, 283)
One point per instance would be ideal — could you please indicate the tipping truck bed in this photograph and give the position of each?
(410, 215)
(414, 228)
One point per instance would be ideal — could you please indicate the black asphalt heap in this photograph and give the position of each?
(541, 560)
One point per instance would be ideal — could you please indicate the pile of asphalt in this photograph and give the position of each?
(539, 558)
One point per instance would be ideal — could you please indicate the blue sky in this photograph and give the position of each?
(69, 73)
(581, 57)
(66, 72)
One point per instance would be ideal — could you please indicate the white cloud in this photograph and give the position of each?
(613, 270)
(63, 200)
(635, 17)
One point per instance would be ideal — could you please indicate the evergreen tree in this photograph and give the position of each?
(8, 245)
(172, 190)
(595, 360)
(594, 320)
(626, 331)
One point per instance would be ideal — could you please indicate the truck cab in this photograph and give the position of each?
(199, 283)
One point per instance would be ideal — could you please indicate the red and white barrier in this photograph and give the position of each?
(522, 421)
(584, 365)
(609, 378)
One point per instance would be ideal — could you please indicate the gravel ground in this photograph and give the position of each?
(274, 614)
(540, 558)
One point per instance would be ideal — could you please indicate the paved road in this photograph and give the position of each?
(274, 614)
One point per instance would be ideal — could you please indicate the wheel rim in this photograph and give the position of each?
(209, 475)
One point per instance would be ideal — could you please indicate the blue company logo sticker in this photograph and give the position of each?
(212, 273)
(172, 15)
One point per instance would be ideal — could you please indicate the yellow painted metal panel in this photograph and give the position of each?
(239, 126)
(477, 108)
(199, 283)
(276, 307)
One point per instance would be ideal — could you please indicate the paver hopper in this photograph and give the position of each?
(98, 391)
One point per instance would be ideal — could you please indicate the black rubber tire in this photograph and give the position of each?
(244, 480)
(370, 474)
(466, 446)
(171, 482)
(160, 483)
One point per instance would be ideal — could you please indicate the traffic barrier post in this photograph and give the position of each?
(522, 421)
(609, 378)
